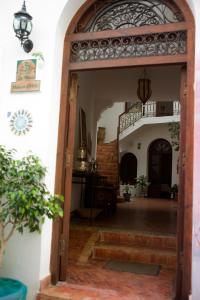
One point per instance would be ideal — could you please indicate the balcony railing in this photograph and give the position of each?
(150, 109)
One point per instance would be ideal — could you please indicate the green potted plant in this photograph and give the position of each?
(127, 191)
(142, 183)
(174, 129)
(24, 198)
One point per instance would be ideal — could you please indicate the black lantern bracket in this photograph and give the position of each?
(22, 25)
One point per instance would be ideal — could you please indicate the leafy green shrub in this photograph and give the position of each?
(142, 183)
(174, 129)
(24, 198)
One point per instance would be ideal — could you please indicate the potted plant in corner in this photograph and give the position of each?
(142, 184)
(24, 198)
(127, 190)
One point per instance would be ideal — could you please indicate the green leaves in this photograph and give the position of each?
(142, 181)
(24, 198)
(174, 129)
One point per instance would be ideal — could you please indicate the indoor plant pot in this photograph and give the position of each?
(142, 184)
(127, 191)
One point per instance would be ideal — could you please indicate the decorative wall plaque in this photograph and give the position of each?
(25, 77)
(21, 122)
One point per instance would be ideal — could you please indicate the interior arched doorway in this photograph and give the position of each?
(128, 168)
(90, 46)
(159, 168)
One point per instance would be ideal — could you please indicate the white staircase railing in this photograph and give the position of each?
(150, 109)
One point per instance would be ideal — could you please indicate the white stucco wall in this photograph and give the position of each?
(27, 256)
(110, 120)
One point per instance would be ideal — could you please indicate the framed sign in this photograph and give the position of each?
(25, 77)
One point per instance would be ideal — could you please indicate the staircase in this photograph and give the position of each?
(152, 112)
(138, 247)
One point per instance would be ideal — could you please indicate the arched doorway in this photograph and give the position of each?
(160, 168)
(165, 37)
(128, 168)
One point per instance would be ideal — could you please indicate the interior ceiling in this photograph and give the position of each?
(120, 85)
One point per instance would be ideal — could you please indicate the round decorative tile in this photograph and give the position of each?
(21, 122)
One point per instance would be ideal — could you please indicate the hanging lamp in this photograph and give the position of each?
(144, 91)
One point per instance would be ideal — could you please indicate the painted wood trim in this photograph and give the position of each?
(189, 152)
(181, 195)
(128, 32)
(55, 263)
(45, 282)
(128, 62)
(73, 91)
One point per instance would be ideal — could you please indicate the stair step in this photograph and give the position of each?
(165, 258)
(76, 291)
(138, 239)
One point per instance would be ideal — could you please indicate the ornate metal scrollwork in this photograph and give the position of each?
(138, 111)
(167, 43)
(131, 13)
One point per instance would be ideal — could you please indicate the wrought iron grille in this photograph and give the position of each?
(130, 13)
(168, 43)
(138, 111)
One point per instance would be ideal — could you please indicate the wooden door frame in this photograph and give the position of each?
(68, 68)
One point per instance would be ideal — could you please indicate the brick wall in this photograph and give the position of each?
(107, 159)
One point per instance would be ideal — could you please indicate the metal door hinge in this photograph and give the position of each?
(62, 246)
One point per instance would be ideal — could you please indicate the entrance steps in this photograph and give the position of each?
(90, 280)
(138, 238)
(136, 246)
(67, 291)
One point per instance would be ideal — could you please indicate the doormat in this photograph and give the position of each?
(132, 267)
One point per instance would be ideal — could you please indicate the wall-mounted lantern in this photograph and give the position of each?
(22, 25)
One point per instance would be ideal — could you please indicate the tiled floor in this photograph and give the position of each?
(89, 280)
(143, 214)
(121, 285)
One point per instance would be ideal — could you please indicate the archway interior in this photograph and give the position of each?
(102, 98)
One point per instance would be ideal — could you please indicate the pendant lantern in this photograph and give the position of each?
(144, 91)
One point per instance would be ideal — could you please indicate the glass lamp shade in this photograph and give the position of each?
(22, 24)
(22, 27)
